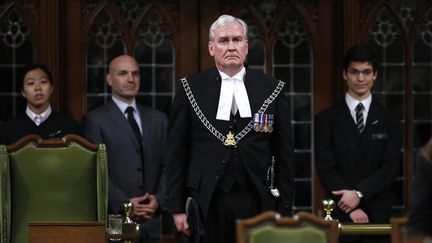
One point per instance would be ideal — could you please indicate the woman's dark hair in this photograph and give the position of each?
(33, 66)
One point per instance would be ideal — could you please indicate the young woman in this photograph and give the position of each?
(39, 118)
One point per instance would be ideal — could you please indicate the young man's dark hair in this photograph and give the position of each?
(361, 53)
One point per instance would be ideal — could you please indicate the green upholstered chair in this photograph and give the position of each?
(51, 180)
(303, 227)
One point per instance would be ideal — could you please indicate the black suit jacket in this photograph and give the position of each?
(368, 162)
(196, 159)
(128, 177)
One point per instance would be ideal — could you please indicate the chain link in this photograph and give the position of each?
(210, 127)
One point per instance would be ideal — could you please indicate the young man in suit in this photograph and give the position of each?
(357, 147)
(39, 118)
(134, 136)
(226, 124)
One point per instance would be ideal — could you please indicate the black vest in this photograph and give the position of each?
(235, 173)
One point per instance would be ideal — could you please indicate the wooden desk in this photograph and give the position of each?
(67, 232)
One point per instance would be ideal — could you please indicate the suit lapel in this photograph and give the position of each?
(372, 122)
(118, 118)
(348, 129)
(146, 125)
(207, 91)
(373, 119)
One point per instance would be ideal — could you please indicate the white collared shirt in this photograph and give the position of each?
(39, 118)
(352, 104)
(232, 91)
(123, 106)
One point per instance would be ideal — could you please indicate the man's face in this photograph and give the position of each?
(360, 78)
(124, 78)
(229, 48)
(37, 89)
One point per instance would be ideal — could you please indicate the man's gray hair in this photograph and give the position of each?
(223, 20)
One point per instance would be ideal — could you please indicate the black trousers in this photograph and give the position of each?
(225, 208)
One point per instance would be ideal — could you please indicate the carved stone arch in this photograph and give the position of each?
(374, 13)
(166, 17)
(422, 15)
(26, 19)
(419, 22)
(303, 16)
(90, 14)
(240, 10)
(303, 25)
(30, 10)
(89, 11)
(105, 8)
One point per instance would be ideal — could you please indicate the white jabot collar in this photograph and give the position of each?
(39, 118)
(233, 90)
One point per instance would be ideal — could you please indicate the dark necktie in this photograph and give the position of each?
(359, 117)
(133, 123)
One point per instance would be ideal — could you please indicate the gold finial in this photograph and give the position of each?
(128, 208)
(130, 230)
(328, 205)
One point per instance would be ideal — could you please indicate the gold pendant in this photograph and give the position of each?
(230, 141)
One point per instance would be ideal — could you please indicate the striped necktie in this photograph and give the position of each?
(359, 117)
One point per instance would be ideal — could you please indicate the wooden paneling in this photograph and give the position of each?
(74, 59)
(50, 45)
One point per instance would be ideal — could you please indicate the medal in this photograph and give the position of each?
(270, 123)
(230, 140)
(266, 129)
(256, 122)
(261, 122)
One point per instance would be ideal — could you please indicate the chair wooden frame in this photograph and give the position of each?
(397, 225)
(38, 142)
(301, 218)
